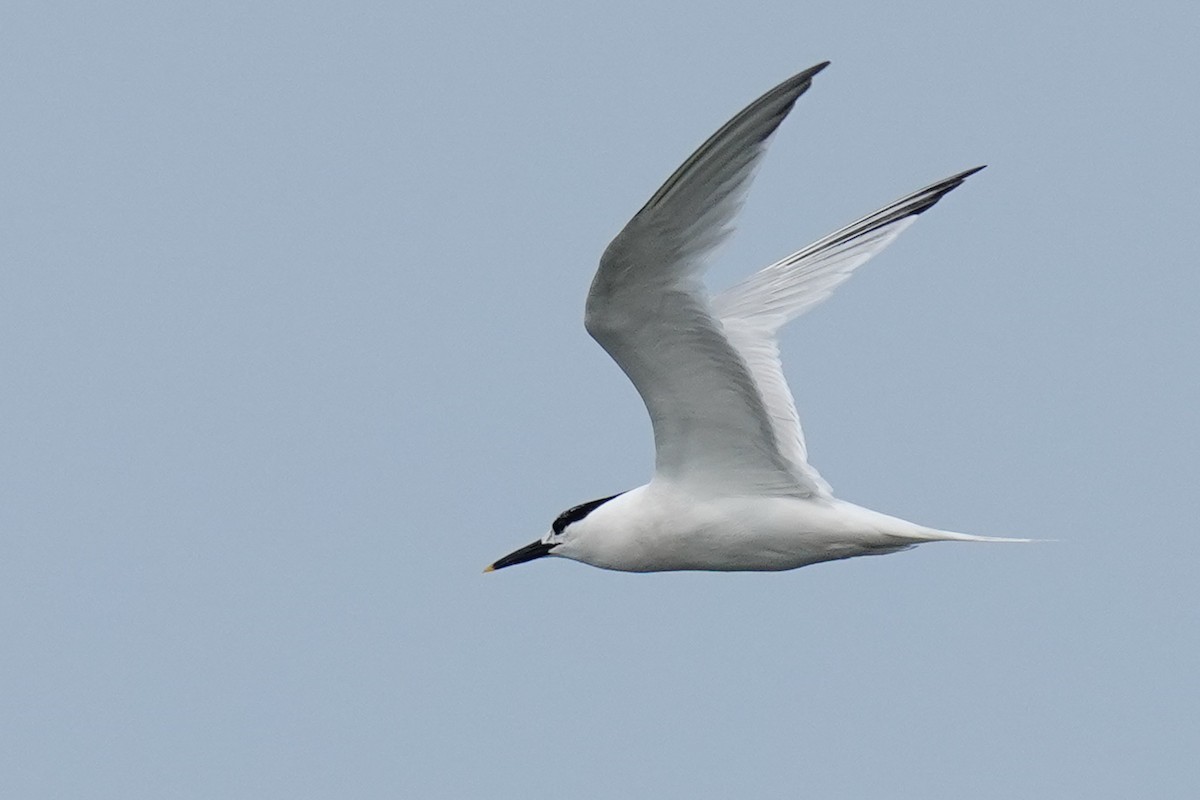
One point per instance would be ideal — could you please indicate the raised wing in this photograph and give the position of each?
(752, 311)
(648, 309)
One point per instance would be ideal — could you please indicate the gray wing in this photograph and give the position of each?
(753, 311)
(648, 308)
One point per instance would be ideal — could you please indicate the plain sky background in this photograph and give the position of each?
(290, 309)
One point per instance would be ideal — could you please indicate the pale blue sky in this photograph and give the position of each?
(291, 300)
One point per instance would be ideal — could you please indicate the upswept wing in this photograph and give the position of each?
(752, 311)
(648, 308)
(709, 370)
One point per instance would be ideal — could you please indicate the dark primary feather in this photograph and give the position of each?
(749, 128)
(910, 205)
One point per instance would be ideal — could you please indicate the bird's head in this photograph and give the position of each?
(557, 542)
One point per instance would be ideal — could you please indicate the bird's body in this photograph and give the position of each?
(661, 526)
(732, 489)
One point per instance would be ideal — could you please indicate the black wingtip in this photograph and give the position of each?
(790, 91)
(752, 126)
(794, 86)
(805, 78)
(929, 196)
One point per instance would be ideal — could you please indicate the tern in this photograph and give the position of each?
(732, 487)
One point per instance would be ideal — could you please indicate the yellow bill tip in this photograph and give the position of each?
(489, 568)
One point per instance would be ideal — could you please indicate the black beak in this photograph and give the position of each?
(527, 553)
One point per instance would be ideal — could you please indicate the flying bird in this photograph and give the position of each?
(732, 487)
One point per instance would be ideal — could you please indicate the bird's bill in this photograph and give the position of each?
(527, 553)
